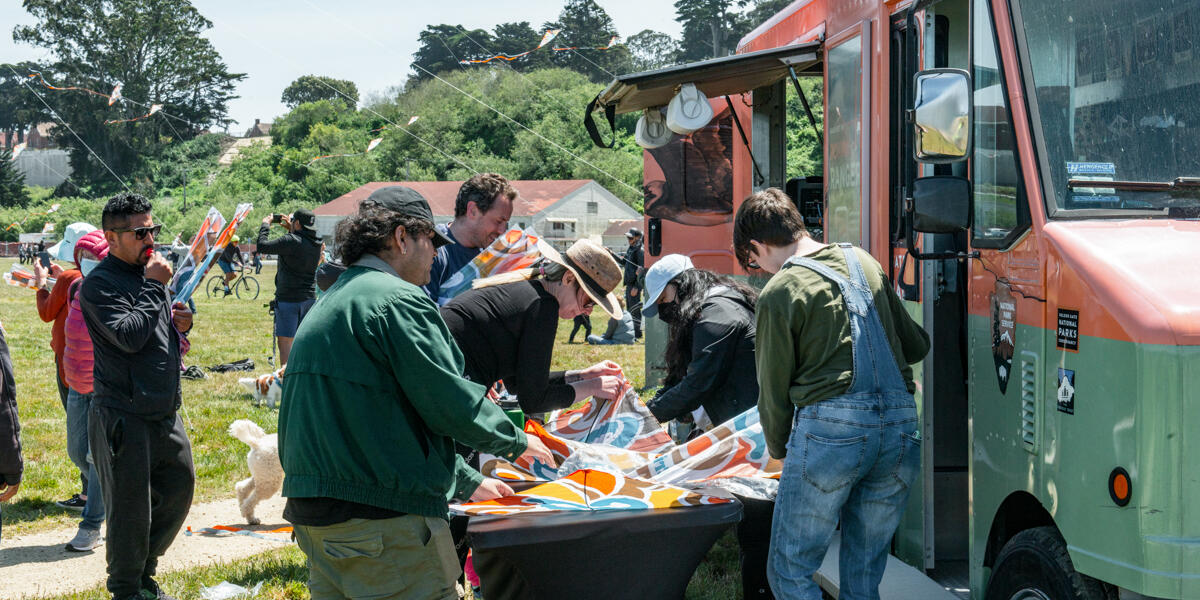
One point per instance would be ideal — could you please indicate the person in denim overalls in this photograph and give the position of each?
(852, 455)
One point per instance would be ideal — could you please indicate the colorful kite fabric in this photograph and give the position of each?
(516, 249)
(111, 100)
(17, 150)
(412, 120)
(213, 223)
(549, 35)
(190, 285)
(19, 277)
(115, 95)
(370, 146)
(154, 108)
(588, 489)
(732, 455)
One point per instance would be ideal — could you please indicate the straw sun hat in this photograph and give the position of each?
(594, 267)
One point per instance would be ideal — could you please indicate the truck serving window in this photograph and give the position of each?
(1114, 99)
(1001, 208)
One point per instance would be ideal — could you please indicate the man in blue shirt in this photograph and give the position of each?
(481, 212)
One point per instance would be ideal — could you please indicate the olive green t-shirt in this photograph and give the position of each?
(803, 349)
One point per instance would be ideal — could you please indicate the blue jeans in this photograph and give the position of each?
(78, 406)
(851, 457)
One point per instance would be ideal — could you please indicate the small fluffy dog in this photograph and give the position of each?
(266, 474)
(266, 388)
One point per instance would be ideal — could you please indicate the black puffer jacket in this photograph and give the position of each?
(11, 464)
(721, 376)
(135, 344)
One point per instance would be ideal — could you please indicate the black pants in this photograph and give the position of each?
(581, 322)
(754, 538)
(633, 302)
(146, 473)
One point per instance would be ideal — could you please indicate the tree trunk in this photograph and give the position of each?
(715, 25)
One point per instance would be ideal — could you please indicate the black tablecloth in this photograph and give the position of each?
(606, 554)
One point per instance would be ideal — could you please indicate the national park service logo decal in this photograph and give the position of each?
(1004, 332)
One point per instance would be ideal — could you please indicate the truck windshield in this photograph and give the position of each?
(1117, 90)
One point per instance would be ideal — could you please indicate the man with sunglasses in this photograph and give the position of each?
(141, 451)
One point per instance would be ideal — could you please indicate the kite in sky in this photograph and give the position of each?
(549, 35)
(611, 42)
(16, 151)
(370, 146)
(154, 108)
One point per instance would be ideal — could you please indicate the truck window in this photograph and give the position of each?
(843, 124)
(1001, 209)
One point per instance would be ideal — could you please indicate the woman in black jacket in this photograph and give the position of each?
(710, 347)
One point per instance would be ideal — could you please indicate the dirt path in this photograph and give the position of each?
(37, 564)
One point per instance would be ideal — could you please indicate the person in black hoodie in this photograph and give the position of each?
(710, 347)
(11, 464)
(141, 450)
(299, 253)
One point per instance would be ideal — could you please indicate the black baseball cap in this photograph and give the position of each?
(306, 218)
(408, 201)
(633, 232)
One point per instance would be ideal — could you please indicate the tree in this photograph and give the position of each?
(442, 46)
(311, 88)
(20, 109)
(652, 50)
(707, 28)
(156, 49)
(515, 38)
(585, 24)
(12, 183)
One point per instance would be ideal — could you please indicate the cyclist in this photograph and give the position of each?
(230, 256)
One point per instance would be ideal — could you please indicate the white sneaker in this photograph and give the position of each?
(85, 540)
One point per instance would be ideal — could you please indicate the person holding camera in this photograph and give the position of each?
(299, 253)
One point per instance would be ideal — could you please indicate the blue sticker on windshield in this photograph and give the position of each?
(1089, 171)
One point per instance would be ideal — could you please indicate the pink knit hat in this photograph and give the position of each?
(93, 242)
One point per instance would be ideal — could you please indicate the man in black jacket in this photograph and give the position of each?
(634, 260)
(11, 464)
(141, 451)
(299, 253)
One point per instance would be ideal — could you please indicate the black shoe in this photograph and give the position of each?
(73, 503)
(152, 591)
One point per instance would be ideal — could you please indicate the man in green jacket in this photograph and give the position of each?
(833, 349)
(373, 401)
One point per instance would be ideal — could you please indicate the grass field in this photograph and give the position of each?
(225, 330)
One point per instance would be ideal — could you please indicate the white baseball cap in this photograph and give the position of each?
(658, 276)
(65, 249)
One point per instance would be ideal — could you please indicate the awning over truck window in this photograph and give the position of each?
(715, 77)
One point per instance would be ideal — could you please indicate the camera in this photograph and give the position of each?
(276, 218)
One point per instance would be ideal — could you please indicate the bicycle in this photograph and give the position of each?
(245, 286)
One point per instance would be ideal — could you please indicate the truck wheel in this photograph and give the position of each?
(1034, 565)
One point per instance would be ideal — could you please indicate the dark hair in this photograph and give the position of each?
(768, 217)
(482, 189)
(368, 231)
(122, 206)
(691, 290)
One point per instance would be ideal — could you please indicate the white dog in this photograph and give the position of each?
(266, 388)
(266, 474)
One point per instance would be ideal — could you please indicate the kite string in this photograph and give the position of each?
(59, 118)
(464, 69)
(490, 107)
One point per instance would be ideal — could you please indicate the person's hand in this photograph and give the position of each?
(39, 274)
(55, 270)
(605, 368)
(607, 387)
(536, 452)
(182, 317)
(8, 491)
(286, 221)
(491, 489)
(158, 269)
(267, 219)
(634, 291)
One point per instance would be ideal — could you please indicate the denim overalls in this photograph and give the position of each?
(852, 456)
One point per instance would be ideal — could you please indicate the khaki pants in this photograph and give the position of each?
(403, 557)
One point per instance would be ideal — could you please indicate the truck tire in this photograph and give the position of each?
(1034, 565)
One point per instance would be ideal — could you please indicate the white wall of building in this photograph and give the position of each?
(46, 168)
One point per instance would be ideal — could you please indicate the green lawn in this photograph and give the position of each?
(225, 330)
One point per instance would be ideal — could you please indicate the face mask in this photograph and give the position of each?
(668, 311)
(86, 265)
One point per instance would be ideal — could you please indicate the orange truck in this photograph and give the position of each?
(1028, 171)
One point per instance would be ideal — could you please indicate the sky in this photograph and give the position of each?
(370, 42)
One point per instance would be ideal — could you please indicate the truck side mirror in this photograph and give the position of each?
(940, 204)
(941, 115)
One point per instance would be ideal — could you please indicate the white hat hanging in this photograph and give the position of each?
(689, 110)
(652, 129)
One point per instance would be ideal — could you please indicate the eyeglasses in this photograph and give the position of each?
(141, 232)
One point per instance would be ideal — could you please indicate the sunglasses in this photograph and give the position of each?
(141, 232)
(587, 303)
